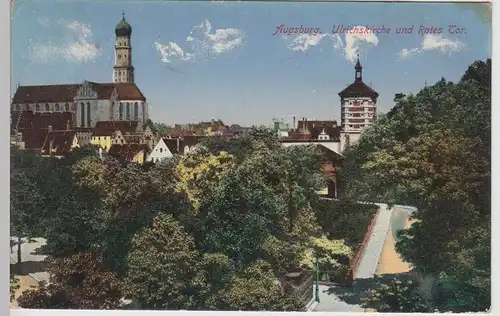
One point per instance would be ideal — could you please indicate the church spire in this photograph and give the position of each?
(359, 71)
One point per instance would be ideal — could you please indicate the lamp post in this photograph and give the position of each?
(316, 287)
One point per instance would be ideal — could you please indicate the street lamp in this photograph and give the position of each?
(316, 288)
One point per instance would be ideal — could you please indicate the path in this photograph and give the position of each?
(379, 257)
(390, 261)
(33, 262)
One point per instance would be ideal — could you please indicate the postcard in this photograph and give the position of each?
(250, 156)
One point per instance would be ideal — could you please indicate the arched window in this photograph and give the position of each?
(121, 111)
(89, 121)
(57, 107)
(18, 107)
(136, 111)
(128, 111)
(37, 107)
(66, 107)
(82, 114)
(47, 107)
(27, 107)
(112, 114)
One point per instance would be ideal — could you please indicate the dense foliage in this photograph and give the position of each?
(432, 151)
(217, 228)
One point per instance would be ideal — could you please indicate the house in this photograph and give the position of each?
(129, 152)
(190, 142)
(166, 148)
(29, 130)
(326, 133)
(105, 131)
(59, 143)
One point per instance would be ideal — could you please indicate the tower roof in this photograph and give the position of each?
(358, 64)
(123, 28)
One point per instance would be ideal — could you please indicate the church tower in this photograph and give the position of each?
(123, 71)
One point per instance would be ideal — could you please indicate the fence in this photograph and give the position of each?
(302, 284)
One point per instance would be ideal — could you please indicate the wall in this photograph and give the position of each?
(139, 157)
(357, 258)
(160, 152)
(103, 141)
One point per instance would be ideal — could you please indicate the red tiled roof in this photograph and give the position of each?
(59, 141)
(34, 126)
(315, 128)
(175, 145)
(107, 128)
(191, 140)
(127, 151)
(30, 120)
(358, 89)
(67, 92)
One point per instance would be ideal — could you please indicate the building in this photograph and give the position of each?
(59, 143)
(324, 133)
(129, 152)
(358, 107)
(108, 133)
(90, 102)
(166, 148)
(30, 129)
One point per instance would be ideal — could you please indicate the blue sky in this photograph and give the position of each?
(196, 61)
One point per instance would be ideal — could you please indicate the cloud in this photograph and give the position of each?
(303, 42)
(432, 42)
(201, 43)
(75, 44)
(353, 41)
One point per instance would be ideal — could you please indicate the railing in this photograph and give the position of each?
(302, 285)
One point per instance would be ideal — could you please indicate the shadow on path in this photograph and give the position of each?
(360, 290)
(28, 267)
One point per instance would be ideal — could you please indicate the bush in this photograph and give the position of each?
(398, 296)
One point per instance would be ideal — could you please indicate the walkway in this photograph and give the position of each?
(33, 263)
(390, 261)
(379, 257)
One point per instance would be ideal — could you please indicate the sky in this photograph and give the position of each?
(199, 60)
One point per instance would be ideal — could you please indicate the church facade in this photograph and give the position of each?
(91, 102)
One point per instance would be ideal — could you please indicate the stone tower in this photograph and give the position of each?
(123, 71)
(358, 104)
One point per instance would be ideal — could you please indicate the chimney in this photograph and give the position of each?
(50, 128)
(178, 149)
(294, 122)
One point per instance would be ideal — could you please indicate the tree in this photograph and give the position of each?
(258, 289)
(78, 282)
(399, 96)
(161, 265)
(26, 196)
(14, 286)
(432, 151)
(398, 296)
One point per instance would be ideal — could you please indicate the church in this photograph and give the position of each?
(89, 102)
